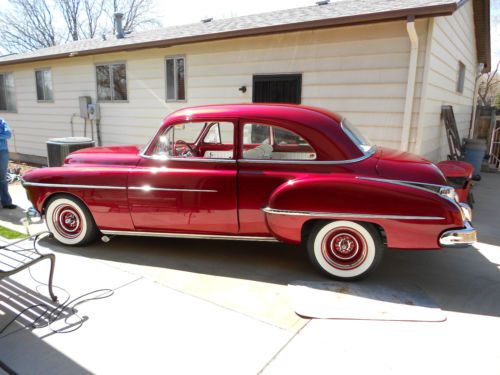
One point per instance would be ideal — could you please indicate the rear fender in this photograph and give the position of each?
(411, 217)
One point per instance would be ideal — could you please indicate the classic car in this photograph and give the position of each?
(259, 172)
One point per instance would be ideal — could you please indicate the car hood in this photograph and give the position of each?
(115, 155)
(398, 165)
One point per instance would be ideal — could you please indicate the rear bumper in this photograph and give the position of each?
(463, 236)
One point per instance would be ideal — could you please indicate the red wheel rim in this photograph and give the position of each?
(344, 248)
(67, 221)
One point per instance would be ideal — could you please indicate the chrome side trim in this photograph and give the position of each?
(414, 184)
(335, 215)
(188, 235)
(463, 236)
(308, 162)
(147, 188)
(70, 186)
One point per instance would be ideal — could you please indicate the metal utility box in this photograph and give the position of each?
(59, 148)
(94, 111)
(84, 102)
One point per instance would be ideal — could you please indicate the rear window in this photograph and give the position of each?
(359, 139)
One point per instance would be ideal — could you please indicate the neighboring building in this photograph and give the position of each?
(386, 65)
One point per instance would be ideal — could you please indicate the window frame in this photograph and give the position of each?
(271, 125)
(462, 71)
(14, 94)
(112, 84)
(175, 57)
(147, 151)
(43, 80)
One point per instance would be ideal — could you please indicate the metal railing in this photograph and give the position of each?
(495, 148)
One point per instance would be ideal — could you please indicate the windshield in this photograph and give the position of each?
(359, 139)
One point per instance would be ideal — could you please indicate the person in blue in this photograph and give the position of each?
(5, 134)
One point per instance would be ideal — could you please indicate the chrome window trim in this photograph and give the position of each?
(188, 235)
(188, 159)
(147, 188)
(274, 211)
(309, 162)
(71, 186)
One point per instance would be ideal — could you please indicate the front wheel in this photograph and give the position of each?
(69, 221)
(345, 250)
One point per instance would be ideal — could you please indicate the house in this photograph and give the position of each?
(387, 65)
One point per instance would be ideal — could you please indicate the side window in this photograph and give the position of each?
(273, 143)
(211, 140)
(175, 72)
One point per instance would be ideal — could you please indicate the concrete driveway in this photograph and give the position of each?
(222, 307)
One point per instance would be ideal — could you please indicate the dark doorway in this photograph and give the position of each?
(277, 88)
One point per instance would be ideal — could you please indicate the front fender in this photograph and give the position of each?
(411, 217)
(102, 189)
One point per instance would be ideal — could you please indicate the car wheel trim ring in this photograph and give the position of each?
(344, 248)
(67, 221)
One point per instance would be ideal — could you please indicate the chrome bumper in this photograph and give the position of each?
(464, 236)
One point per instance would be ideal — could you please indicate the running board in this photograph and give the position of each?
(187, 235)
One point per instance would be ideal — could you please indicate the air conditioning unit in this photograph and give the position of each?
(59, 148)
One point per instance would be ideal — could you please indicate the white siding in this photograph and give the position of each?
(452, 41)
(359, 71)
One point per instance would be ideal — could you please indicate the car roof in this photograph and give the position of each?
(287, 112)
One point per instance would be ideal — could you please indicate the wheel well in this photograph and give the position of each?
(309, 225)
(55, 195)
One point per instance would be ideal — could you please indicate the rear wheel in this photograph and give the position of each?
(69, 221)
(345, 250)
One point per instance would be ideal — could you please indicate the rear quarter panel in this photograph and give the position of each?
(348, 195)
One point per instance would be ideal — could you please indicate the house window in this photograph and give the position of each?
(7, 100)
(176, 78)
(461, 77)
(43, 78)
(277, 88)
(111, 82)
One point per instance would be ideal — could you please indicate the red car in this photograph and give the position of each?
(257, 172)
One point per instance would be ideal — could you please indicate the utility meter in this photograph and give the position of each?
(84, 102)
(94, 111)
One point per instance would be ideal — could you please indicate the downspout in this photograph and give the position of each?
(410, 88)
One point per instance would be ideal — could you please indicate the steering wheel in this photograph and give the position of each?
(182, 148)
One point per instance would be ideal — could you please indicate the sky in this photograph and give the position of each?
(191, 11)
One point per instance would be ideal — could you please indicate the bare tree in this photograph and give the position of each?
(487, 88)
(137, 14)
(70, 10)
(27, 25)
(93, 10)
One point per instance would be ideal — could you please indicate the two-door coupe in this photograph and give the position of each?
(259, 172)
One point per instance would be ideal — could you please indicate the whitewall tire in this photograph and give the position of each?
(69, 221)
(345, 250)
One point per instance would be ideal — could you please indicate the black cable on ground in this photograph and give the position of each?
(53, 314)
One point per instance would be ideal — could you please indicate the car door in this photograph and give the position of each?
(269, 156)
(186, 181)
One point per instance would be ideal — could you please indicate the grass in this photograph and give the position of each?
(11, 234)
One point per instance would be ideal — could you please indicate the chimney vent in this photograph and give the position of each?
(207, 20)
(119, 26)
(323, 2)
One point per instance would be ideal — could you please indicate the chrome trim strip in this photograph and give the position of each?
(405, 183)
(463, 236)
(308, 162)
(334, 215)
(197, 160)
(70, 186)
(188, 235)
(147, 188)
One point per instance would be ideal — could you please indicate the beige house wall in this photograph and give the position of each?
(452, 40)
(359, 71)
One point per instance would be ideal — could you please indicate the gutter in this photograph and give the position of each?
(410, 88)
